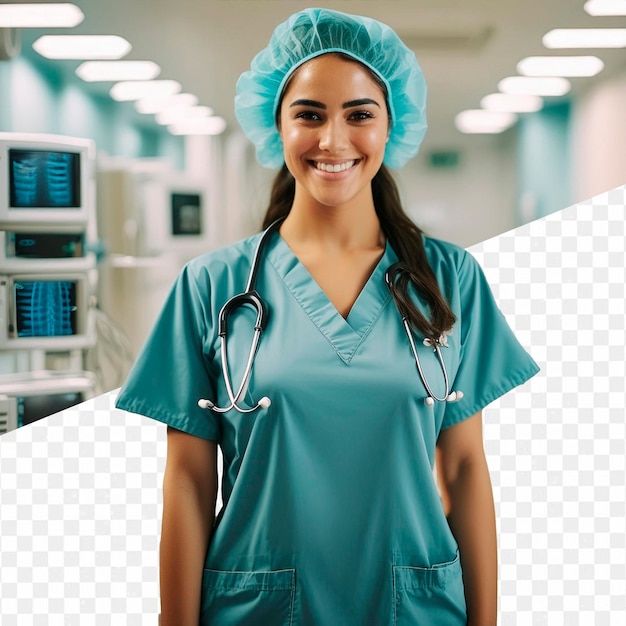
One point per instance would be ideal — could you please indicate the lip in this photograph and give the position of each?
(332, 174)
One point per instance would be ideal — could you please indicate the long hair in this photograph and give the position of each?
(405, 238)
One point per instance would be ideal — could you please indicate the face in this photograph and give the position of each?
(334, 126)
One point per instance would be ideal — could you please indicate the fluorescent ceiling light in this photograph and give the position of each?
(180, 114)
(137, 89)
(94, 71)
(82, 47)
(512, 103)
(47, 15)
(202, 126)
(605, 7)
(585, 38)
(481, 121)
(151, 106)
(560, 66)
(541, 86)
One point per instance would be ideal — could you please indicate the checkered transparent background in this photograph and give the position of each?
(80, 496)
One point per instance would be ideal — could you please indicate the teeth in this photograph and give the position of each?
(340, 167)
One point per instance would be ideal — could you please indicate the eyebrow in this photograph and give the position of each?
(321, 105)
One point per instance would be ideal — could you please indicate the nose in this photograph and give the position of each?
(333, 135)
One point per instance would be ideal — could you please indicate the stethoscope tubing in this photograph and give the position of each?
(251, 297)
(437, 350)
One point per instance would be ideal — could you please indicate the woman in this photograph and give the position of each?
(331, 513)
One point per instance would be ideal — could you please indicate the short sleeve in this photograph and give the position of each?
(492, 361)
(170, 374)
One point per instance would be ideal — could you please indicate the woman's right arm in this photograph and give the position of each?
(189, 494)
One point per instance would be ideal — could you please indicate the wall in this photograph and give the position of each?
(599, 138)
(5, 104)
(36, 98)
(468, 203)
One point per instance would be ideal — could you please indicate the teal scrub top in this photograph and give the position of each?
(331, 513)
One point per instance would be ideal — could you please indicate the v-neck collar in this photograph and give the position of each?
(344, 334)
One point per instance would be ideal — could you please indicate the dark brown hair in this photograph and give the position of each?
(405, 238)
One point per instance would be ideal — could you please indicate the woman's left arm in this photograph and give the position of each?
(463, 478)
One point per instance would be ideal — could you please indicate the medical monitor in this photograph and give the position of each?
(40, 249)
(28, 397)
(45, 179)
(186, 213)
(31, 245)
(175, 216)
(45, 311)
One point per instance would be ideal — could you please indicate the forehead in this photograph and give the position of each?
(334, 71)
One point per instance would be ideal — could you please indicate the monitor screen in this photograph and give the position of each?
(45, 245)
(186, 214)
(45, 308)
(44, 179)
(33, 408)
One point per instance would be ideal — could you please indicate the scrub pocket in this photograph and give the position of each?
(429, 596)
(245, 598)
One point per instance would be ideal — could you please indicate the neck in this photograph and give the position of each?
(348, 227)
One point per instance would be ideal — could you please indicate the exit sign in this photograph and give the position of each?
(443, 158)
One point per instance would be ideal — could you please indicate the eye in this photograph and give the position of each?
(361, 115)
(309, 116)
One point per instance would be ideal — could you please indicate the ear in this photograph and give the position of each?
(277, 122)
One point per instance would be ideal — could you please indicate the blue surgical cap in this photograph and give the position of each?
(311, 33)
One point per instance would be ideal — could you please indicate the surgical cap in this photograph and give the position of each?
(311, 33)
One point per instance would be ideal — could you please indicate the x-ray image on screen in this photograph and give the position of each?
(45, 308)
(42, 179)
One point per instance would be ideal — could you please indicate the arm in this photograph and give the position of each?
(189, 494)
(463, 477)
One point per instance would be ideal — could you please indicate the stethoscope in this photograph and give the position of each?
(251, 297)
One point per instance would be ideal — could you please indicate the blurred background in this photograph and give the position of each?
(113, 176)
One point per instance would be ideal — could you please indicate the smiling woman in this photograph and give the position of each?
(329, 136)
(329, 434)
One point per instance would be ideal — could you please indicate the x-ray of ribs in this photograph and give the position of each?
(45, 308)
(58, 180)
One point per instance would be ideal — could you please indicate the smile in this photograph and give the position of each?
(336, 167)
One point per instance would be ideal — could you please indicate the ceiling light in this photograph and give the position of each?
(542, 86)
(605, 7)
(585, 38)
(560, 66)
(48, 15)
(481, 121)
(180, 114)
(203, 126)
(82, 47)
(151, 106)
(94, 71)
(512, 103)
(137, 89)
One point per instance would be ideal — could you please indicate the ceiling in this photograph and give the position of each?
(464, 46)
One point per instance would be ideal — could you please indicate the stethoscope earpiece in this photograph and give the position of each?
(265, 403)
